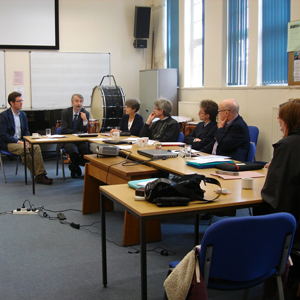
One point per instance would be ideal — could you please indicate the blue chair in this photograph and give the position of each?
(251, 152)
(253, 131)
(8, 154)
(242, 252)
(60, 152)
(180, 137)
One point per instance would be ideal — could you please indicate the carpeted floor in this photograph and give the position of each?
(42, 258)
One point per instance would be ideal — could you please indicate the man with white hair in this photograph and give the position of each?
(232, 137)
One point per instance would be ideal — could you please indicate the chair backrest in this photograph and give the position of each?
(246, 248)
(253, 131)
(251, 152)
(180, 137)
(58, 130)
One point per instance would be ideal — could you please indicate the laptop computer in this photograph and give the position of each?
(157, 153)
(84, 135)
(113, 142)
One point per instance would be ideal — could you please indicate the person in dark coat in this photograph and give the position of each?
(75, 119)
(204, 132)
(166, 129)
(131, 122)
(232, 137)
(280, 192)
(13, 126)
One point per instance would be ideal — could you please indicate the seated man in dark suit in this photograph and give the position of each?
(13, 126)
(204, 132)
(232, 136)
(75, 119)
(166, 129)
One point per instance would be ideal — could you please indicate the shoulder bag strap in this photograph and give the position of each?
(186, 192)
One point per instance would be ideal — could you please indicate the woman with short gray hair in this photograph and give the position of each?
(166, 129)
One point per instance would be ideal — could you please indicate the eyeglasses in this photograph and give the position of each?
(223, 110)
(19, 101)
(201, 113)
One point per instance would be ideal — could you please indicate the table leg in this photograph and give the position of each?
(196, 233)
(103, 240)
(32, 160)
(143, 258)
(25, 169)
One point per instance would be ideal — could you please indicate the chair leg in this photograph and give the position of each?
(245, 296)
(62, 163)
(2, 167)
(57, 162)
(280, 288)
(17, 166)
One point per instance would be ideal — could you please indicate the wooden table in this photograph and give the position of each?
(109, 170)
(70, 138)
(144, 211)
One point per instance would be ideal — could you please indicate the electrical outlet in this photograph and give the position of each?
(25, 211)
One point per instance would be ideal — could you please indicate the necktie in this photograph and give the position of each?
(75, 121)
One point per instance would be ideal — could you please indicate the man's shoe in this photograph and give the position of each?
(78, 171)
(73, 170)
(43, 179)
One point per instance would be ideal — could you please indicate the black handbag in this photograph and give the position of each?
(179, 191)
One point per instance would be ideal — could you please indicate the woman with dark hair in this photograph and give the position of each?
(131, 121)
(281, 189)
(280, 192)
(204, 132)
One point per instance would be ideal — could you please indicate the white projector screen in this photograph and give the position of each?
(30, 24)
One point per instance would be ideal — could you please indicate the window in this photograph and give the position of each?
(172, 34)
(194, 42)
(237, 36)
(275, 17)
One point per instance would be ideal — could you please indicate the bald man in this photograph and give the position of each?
(232, 136)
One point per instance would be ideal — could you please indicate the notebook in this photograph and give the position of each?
(157, 153)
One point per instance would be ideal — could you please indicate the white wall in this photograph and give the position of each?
(255, 102)
(102, 26)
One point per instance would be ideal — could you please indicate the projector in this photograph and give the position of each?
(104, 149)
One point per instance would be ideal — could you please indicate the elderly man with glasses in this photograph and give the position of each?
(232, 136)
(13, 126)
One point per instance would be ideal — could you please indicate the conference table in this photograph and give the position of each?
(145, 211)
(68, 138)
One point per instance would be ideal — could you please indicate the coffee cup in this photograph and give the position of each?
(141, 142)
(247, 183)
(146, 140)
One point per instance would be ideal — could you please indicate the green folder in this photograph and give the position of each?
(134, 183)
(207, 165)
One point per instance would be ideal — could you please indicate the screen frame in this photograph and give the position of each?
(46, 47)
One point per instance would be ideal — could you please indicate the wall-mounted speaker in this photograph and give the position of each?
(140, 44)
(142, 22)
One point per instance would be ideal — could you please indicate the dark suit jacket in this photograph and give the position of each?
(205, 133)
(7, 128)
(67, 121)
(136, 126)
(233, 142)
